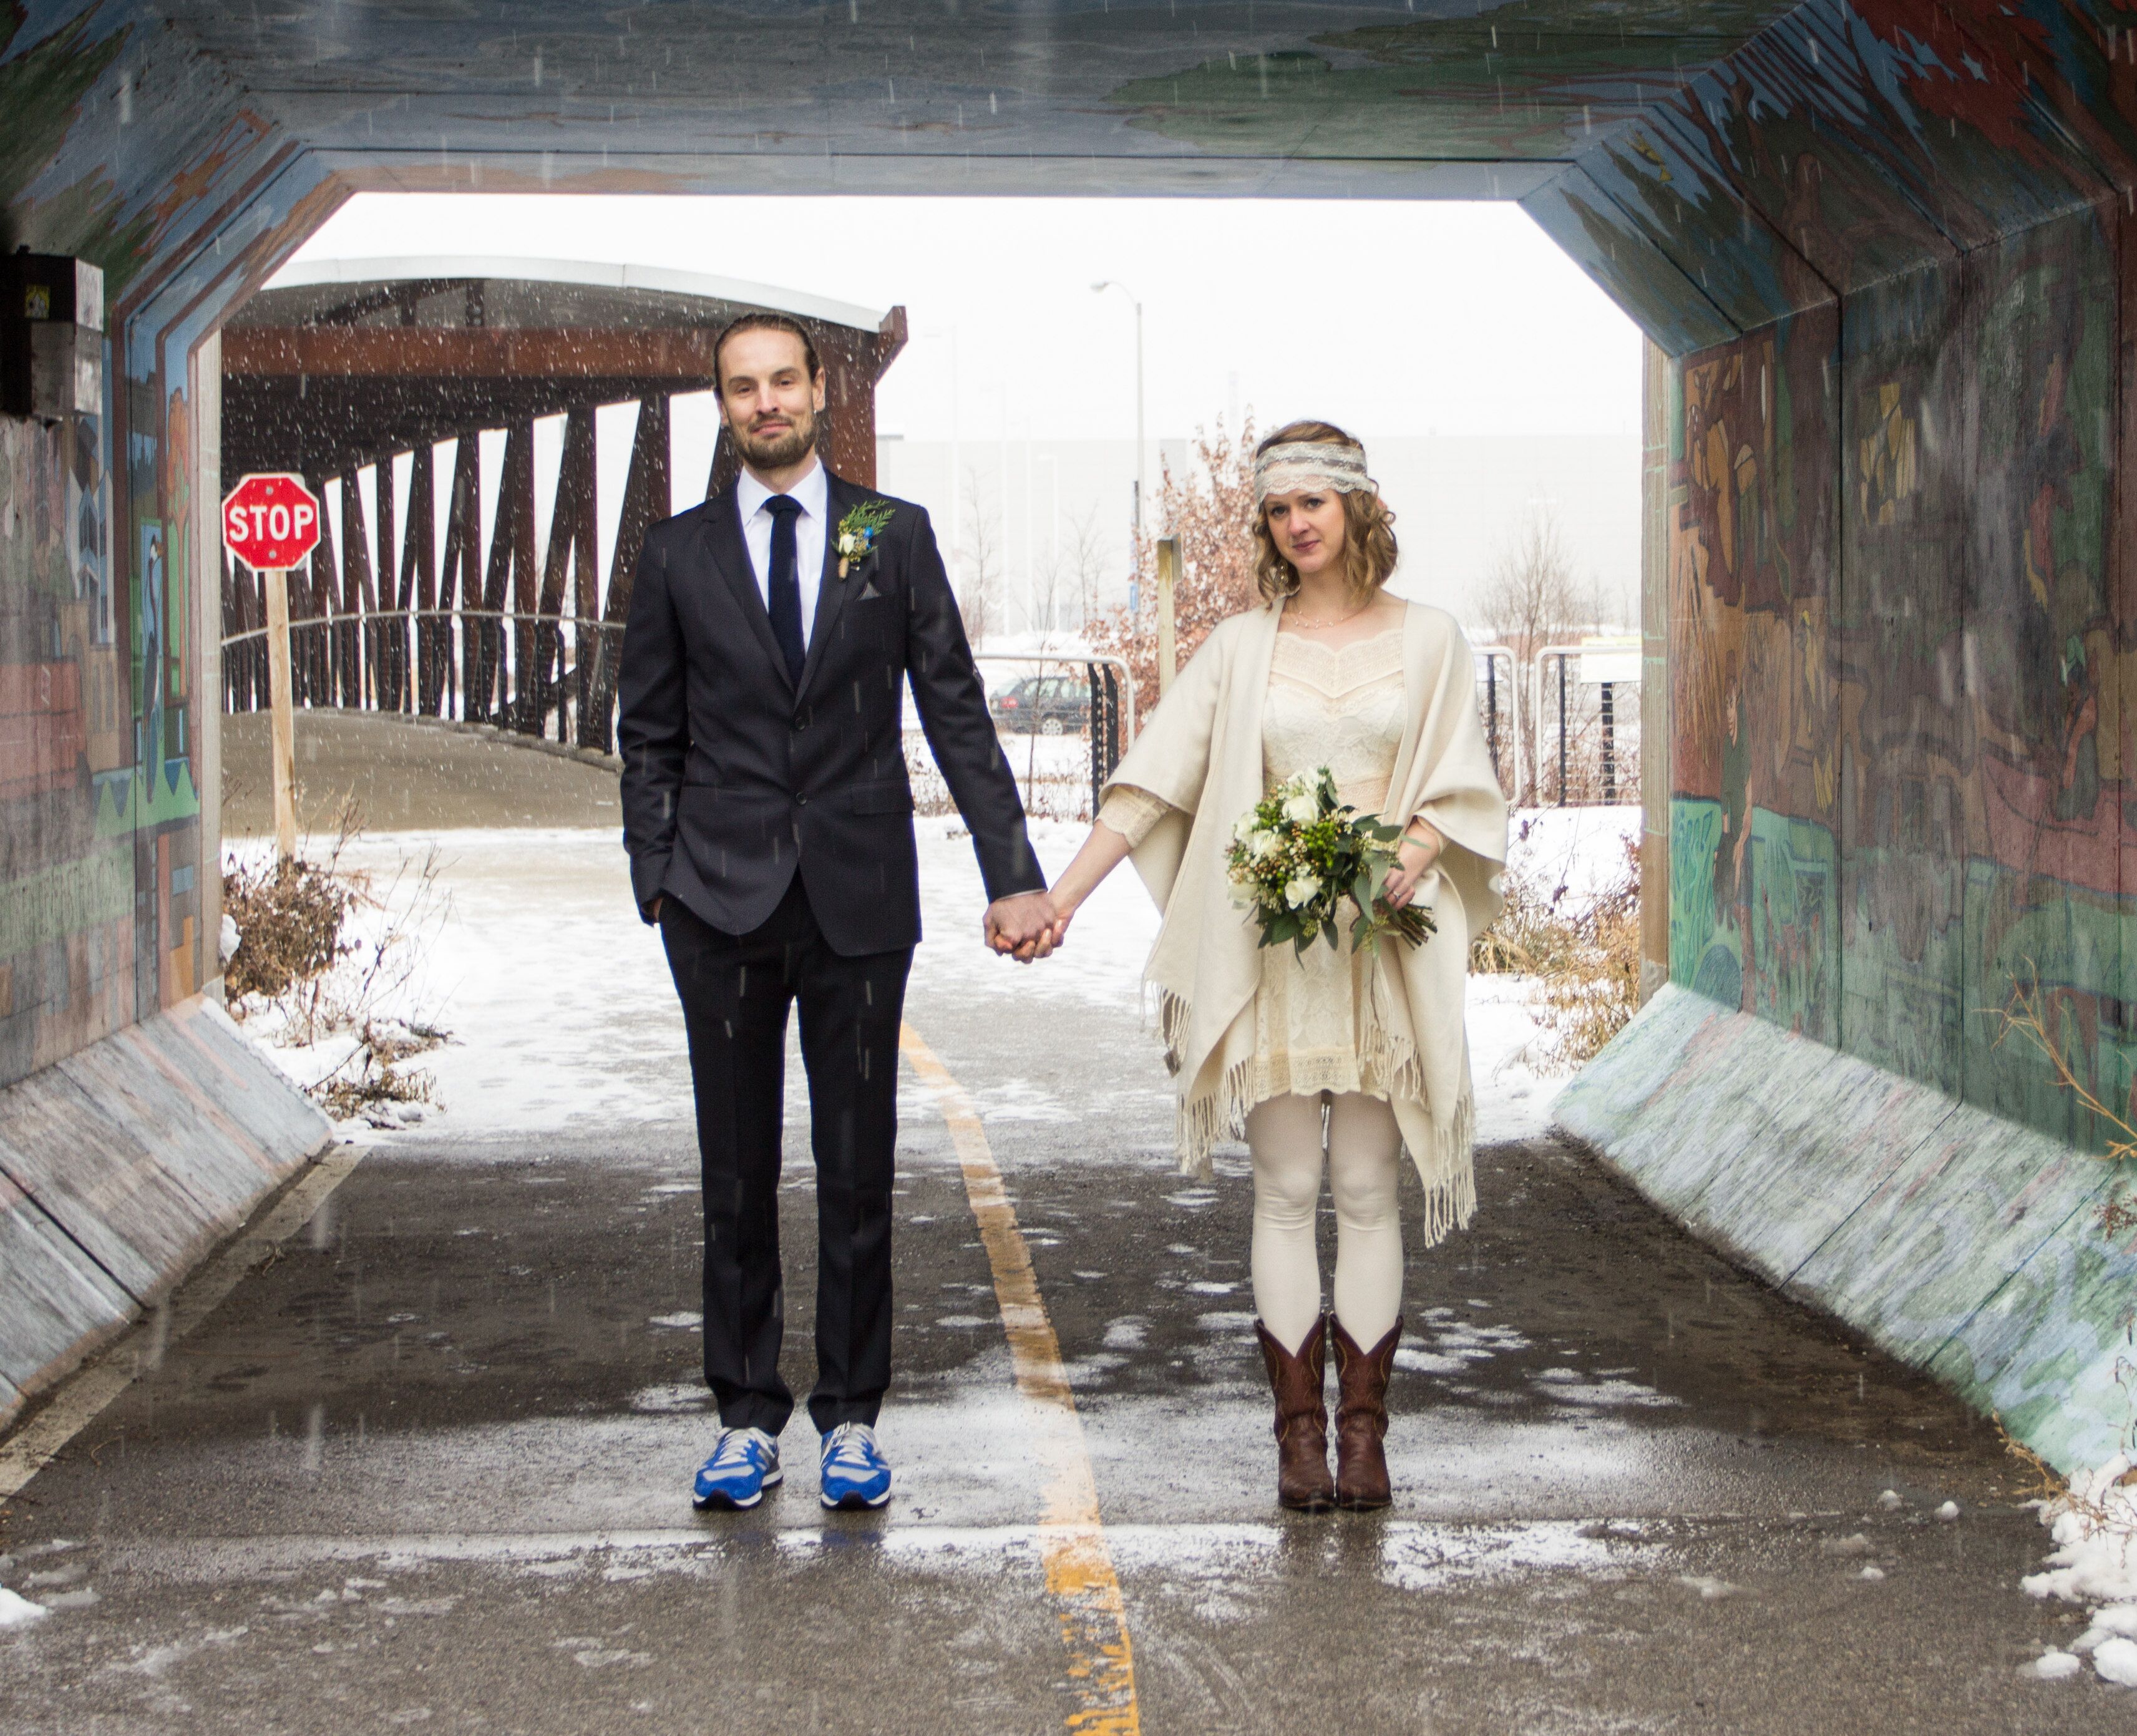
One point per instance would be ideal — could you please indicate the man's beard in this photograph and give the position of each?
(777, 448)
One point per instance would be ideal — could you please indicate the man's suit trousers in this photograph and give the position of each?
(736, 991)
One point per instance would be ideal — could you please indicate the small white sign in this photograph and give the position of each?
(1610, 663)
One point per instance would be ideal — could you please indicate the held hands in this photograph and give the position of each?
(1022, 927)
(1415, 857)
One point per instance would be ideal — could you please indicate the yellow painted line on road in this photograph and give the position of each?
(1072, 1543)
(84, 1397)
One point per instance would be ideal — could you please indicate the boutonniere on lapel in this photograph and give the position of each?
(858, 532)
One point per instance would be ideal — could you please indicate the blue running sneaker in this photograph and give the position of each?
(856, 1473)
(745, 1463)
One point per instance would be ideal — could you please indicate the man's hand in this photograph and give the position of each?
(1021, 927)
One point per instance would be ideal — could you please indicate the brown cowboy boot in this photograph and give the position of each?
(1361, 1418)
(1302, 1482)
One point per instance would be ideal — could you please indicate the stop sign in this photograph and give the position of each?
(271, 519)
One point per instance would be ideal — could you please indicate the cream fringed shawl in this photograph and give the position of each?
(1200, 751)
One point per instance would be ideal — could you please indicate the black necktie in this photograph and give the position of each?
(785, 587)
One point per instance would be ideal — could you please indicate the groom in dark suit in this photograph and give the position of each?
(766, 807)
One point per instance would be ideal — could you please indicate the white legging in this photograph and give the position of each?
(1363, 1149)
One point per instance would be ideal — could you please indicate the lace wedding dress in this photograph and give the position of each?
(1318, 1022)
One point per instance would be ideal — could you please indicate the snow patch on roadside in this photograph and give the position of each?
(2094, 1563)
(560, 1013)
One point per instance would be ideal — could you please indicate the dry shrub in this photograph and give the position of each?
(2034, 1018)
(2042, 1481)
(376, 1082)
(1592, 988)
(1530, 937)
(288, 918)
(1586, 962)
(304, 971)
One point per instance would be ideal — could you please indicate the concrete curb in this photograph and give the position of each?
(121, 1168)
(1965, 1245)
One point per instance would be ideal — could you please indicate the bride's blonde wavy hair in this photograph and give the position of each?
(1369, 532)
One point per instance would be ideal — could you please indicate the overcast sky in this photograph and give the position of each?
(1389, 318)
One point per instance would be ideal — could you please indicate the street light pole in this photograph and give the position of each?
(1141, 490)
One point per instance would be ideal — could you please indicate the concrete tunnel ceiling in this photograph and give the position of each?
(1714, 166)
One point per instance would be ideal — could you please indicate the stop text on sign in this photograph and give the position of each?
(271, 519)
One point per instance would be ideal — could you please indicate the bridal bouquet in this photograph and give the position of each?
(1299, 853)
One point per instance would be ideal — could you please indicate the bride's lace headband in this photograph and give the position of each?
(1299, 464)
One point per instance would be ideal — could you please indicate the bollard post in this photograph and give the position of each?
(1561, 728)
(1168, 576)
(283, 761)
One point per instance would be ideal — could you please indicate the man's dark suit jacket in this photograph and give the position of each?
(733, 776)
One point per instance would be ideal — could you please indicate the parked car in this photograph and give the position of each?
(1047, 705)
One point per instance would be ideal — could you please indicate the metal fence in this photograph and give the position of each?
(1589, 735)
(1060, 771)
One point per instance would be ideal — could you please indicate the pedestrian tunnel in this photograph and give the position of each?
(1889, 599)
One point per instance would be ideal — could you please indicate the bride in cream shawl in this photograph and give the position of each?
(1354, 1058)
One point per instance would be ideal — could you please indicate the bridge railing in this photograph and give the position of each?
(389, 616)
(552, 676)
(542, 674)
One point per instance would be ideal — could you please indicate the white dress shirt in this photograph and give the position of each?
(813, 492)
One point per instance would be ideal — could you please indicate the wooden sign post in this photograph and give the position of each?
(1168, 577)
(271, 523)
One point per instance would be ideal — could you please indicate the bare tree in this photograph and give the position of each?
(1531, 600)
(1084, 558)
(1210, 511)
(1049, 601)
(980, 553)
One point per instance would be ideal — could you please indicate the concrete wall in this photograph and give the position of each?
(1900, 745)
(121, 1167)
(1894, 571)
(137, 1127)
(1897, 571)
(120, 145)
(1969, 1247)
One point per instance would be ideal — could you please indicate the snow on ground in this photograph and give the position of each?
(2095, 1563)
(527, 948)
(558, 998)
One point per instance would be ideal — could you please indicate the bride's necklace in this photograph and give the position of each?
(1299, 620)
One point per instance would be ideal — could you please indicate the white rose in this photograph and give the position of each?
(1244, 830)
(1264, 846)
(1302, 809)
(1302, 891)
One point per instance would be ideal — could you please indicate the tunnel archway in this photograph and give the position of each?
(1880, 250)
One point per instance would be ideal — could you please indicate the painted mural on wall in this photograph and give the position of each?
(133, 161)
(1897, 727)
(1754, 914)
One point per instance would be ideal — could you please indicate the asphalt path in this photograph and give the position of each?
(428, 1463)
